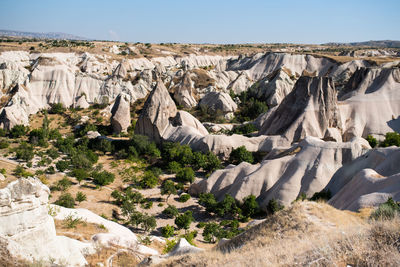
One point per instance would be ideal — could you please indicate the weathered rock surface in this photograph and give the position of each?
(121, 116)
(28, 228)
(215, 102)
(304, 168)
(367, 181)
(308, 110)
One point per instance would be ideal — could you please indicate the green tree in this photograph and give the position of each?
(185, 175)
(148, 223)
(64, 184)
(241, 154)
(174, 167)
(149, 180)
(211, 232)
(18, 130)
(250, 206)
(167, 231)
(208, 201)
(80, 174)
(171, 211)
(183, 221)
(168, 188)
(103, 178)
(184, 197)
(213, 163)
(391, 139)
(372, 141)
(56, 108)
(24, 152)
(62, 165)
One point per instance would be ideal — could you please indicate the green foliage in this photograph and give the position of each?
(140, 145)
(101, 144)
(185, 175)
(54, 134)
(168, 188)
(63, 184)
(52, 153)
(38, 137)
(241, 154)
(71, 221)
(65, 200)
(324, 195)
(391, 139)
(176, 152)
(372, 141)
(387, 211)
(171, 211)
(250, 107)
(250, 206)
(227, 206)
(274, 206)
(167, 231)
(169, 245)
(208, 201)
(4, 144)
(3, 132)
(244, 129)
(213, 163)
(56, 108)
(183, 221)
(103, 177)
(62, 165)
(173, 167)
(80, 174)
(190, 237)
(24, 152)
(83, 129)
(18, 130)
(149, 180)
(80, 196)
(148, 223)
(21, 172)
(183, 198)
(211, 232)
(127, 198)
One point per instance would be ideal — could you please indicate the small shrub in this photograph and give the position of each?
(62, 165)
(183, 198)
(386, 211)
(64, 184)
(183, 221)
(274, 206)
(65, 200)
(169, 245)
(391, 139)
(167, 231)
(372, 141)
(149, 180)
(168, 188)
(170, 211)
(4, 144)
(103, 178)
(80, 174)
(18, 130)
(56, 108)
(241, 154)
(71, 221)
(80, 196)
(173, 167)
(324, 195)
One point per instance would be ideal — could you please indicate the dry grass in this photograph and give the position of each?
(307, 234)
(82, 232)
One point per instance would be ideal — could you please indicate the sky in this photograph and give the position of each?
(208, 21)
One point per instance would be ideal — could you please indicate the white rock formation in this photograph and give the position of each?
(215, 102)
(304, 168)
(121, 116)
(28, 228)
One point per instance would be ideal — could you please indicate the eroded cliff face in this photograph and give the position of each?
(28, 230)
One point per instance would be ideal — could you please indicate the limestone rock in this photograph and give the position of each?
(284, 175)
(308, 110)
(121, 116)
(215, 102)
(81, 102)
(184, 93)
(157, 110)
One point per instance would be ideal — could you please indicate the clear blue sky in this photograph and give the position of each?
(208, 21)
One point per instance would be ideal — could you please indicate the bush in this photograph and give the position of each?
(274, 206)
(176, 152)
(241, 154)
(101, 144)
(80, 197)
(168, 188)
(183, 198)
(190, 237)
(38, 137)
(227, 206)
(167, 231)
(211, 232)
(250, 206)
(80, 174)
(140, 145)
(169, 245)
(372, 141)
(103, 178)
(213, 163)
(64, 184)
(185, 175)
(52, 153)
(183, 221)
(170, 211)
(391, 139)
(66, 200)
(386, 211)
(324, 195)
(174, 167)
(21, 172)
(62, 165)
(4, 144)
(149, 180)
(56, 108)
(24, 152)
(244, 129)
(208, 201)
(18, 130)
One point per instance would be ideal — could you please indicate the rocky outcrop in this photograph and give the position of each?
(121, 116)
(215, 102)
(185, 92)
(81, 102)
(158, 109)
(367, 181)
(308, 110)
(306, 167)
(29, 230)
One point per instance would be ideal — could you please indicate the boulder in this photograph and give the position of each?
(121, 116)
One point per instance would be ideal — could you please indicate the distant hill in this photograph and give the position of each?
(381, 43)
(41, 35)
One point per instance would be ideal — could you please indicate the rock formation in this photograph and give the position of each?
(29, 230)
(121, 116)
(304, 168)
(215, 102)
